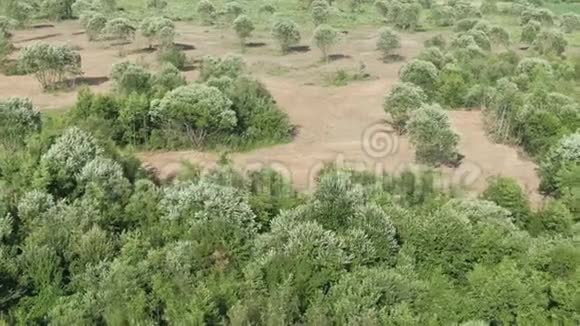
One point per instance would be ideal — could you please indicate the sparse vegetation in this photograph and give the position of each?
(50, 64)
(92, 235)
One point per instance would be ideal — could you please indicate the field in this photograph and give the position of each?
(332, 121)
(286, 162)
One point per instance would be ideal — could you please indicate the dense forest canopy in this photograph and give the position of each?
(89, 235)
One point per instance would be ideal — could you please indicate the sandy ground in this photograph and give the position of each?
(336, 124)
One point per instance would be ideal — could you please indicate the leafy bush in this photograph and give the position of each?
(95, 26)
(388, 41)
(550, 42)
(563, 153)
(320, 11)
(433, 55)
(233, 9)
(437, 41)
(156, 4)
(130, 77)
(542, 15)
(406, 15)
(229, 66)
(173, 56)
(57, 9)
(325, 37)
(286, 33)
(570, 22)
(206, 10)
(18, 119)
(530, 31)
(244, 28)
(158, 29)
(50, 64)
(508, 194)
(169, 78)
(20, 11)
(430, 132)
(442, 15)
(65, 159)
(119, 29)
(421, 73)
(268, 8)
(452, 87)
(196, 110)
(403, 99)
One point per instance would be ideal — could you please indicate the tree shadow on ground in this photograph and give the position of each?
(299, 49)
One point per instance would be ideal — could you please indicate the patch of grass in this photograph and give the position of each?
(563, 7)
(343, 77)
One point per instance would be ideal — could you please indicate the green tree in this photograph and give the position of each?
(508, 194)
(388, 41)
(158, 29)
(206, 10)
(530, 31)
(320, 11)
(286, 33)
(421, 73)
(430, 132)
(95, 26)
(550, 42)
(325, 37)
(130, 77)
(244, 28)
(50, 64)
(570, 22)
(18, 119)
(563, 153)
(402, 100)
(197, 110)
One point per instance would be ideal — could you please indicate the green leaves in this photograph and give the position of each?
(49, 63)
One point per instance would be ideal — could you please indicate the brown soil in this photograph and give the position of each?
(336, 124)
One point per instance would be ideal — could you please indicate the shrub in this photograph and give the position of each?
(570, 22)
(57, 9)
(206, 11)
(156, 4)
(542, 15)
(531, 66)
(5, 47)
(442, 16)
(173, 56)
(388, 41)
(267, 8)
(554, 219)
(130, 77)
(436, 41)
(465, 24)
(18, 119)
(95, 26)
(451, 86)
(20, 11)
(65, 159)
(320, 10)
(433, 55)
(244, 28)
(508, 194)
(403, 99)
(158, 29)
(430, 132)
(325, 37)
(489, 7)
(169, 78)
(233, 9)
(50, 64)
(119, 29)
(499, 35)
(230, 66)
(421, 73)
(286, 33)
(563, 153)
(530, 31)
(196, 110)
(407, 17)
(480, 39)
(550, 42)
